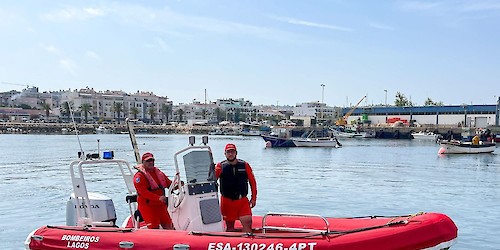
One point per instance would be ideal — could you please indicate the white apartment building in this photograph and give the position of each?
(145, 106)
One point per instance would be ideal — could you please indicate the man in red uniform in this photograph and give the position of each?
(234, 176)
(150, 183)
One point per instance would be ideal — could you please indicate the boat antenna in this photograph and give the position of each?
(131, 133)
(81, 153)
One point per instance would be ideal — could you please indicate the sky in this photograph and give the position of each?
(280, 52)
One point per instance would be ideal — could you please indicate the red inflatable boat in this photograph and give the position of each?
(194, 208)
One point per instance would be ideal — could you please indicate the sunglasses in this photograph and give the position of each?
(150, 160)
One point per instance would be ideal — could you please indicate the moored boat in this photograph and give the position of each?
(103, 130)
(317, 142)
(277, 142)
(195, 212)
(425, 135)
(459, 147)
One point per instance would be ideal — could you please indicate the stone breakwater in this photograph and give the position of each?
(69, 128)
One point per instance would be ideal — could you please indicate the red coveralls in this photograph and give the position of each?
(153, 211)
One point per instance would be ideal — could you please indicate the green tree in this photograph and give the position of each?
(118, 108)
(47, 108)
(219, 114)
(65, 110)
(429, 102)
(152, 113)
(134, 111)
(401, 100)
(166, 110)
(180, 114)
(85, 108)
(24, 106)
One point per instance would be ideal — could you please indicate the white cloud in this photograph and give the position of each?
(94, 11)
(481, 6)
(92, 54)
(451, 6)
(68, 66)
(172, 23)
(160, 44)
(419, 5)
(165, 21)
(71, 14)
(380, 26)
(51, 49)
(310, 24)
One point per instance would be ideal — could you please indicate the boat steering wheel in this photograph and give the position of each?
(176, 192)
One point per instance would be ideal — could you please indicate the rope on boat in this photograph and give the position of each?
(94, 229)
(404, 219)
(392, 222)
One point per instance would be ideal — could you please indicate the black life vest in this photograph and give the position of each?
(233, 180)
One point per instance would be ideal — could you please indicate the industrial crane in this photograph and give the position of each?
(17, 84)
(343, 120)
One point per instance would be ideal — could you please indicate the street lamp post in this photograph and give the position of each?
(322, 99)
(385, 90)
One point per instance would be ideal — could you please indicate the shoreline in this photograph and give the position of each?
(68, 128)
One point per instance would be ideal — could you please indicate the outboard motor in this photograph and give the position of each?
(102, 208)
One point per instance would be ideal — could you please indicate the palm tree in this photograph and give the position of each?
(219, 114)
(152, 113)
(180, 113)
(134, 111)
(47, 108)
(65, 110)
(166, 110)
(85, 109)
(118, 108)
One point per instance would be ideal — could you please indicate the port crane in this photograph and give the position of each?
(343, 119)
(16, 84)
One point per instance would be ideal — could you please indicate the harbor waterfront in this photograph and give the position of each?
(68, 128)
(364, 177)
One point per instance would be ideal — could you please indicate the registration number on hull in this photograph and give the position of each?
(261, 246)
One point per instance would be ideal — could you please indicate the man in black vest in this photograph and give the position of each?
(234, 176)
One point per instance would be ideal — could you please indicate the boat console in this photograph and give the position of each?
(193, 197)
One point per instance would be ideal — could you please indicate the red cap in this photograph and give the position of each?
(147, 156)
(230, 146)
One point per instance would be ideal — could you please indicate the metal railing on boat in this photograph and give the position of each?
(294, 229)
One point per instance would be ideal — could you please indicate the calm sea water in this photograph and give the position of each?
(365, 177)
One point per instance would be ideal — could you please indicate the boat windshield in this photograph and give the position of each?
(199, 166)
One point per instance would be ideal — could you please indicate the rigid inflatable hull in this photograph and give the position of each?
(423, 231)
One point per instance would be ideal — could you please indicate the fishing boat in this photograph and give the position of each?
(103, 130)
(425, 135)
(349, 132)
(300, 136)
(274, 141)
(331, 142)
(460, 147)
(91, 221)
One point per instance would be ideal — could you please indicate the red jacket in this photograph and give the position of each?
(143, 187)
